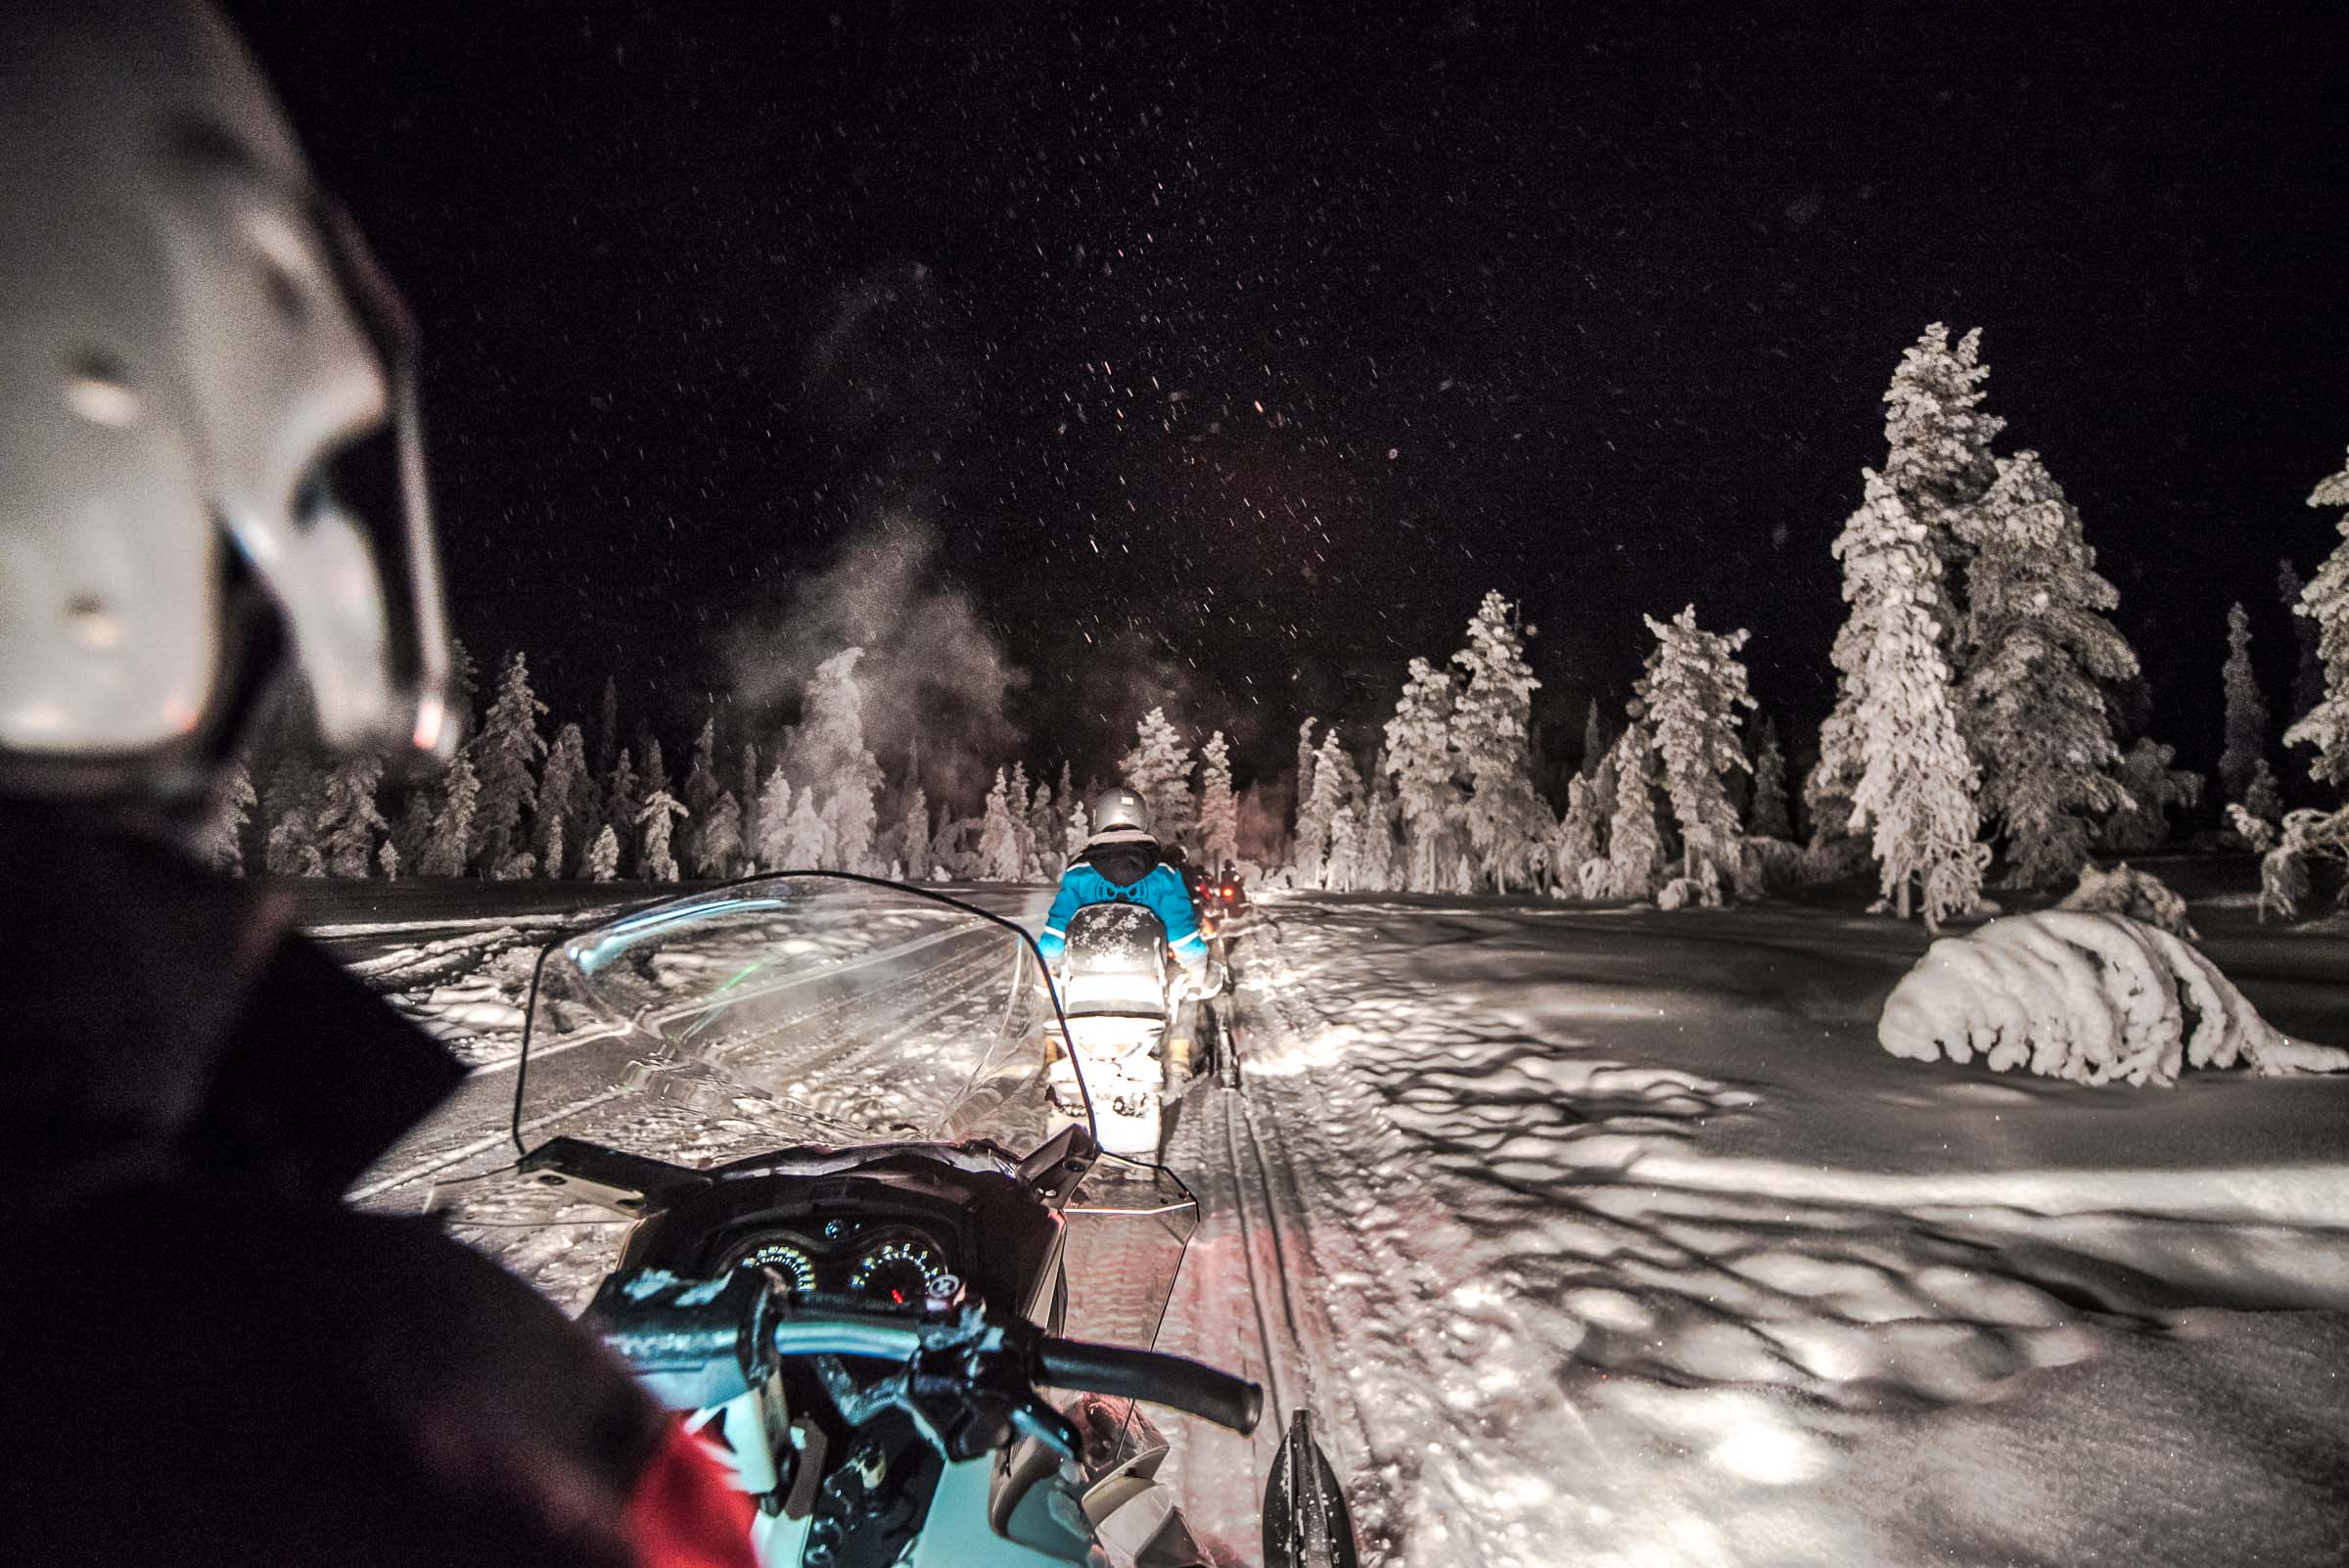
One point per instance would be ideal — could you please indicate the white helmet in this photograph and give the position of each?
(1120, 816)
(191, 343)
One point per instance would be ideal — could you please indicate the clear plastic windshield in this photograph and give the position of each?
(795, 1009)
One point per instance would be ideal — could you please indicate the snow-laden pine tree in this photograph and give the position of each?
(294, 847)
(1306, 747)
(1916, 785)
(1159, 769)
(659, 820)
(603, 856)
(1596, 740)
(1575, 844)
(1426, 769)
(562, 823)
(2031, 705)
(749, 795)
(1766, 817)
(2154, 786)
(2246, 748)
(449, 849)
(1492, 734)
(1939, 461)
(387, 861)
(348, 824)
(1689, 698)
(1017, 799)
(2308, 671)
(504, 753)
(827, 754)
(806, 841)
(1342, 866)
(624, 797)
(2263, 798)
(219, 839)
(2324, 602)
(916, 833)
(717, 847)
(1336, 782)
(1634, 844)
(1081, 829)
(1380, 859)
(775, 823)
(292, 798)
(1045, 832)
(999, 837)
(700, 795)
(1219, 807)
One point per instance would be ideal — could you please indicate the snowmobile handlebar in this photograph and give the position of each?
(1153, 1377)
(1175, 1381)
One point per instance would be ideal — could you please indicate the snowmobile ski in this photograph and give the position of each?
(1306, 1523)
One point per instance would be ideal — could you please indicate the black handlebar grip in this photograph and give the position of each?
(1139, 1374)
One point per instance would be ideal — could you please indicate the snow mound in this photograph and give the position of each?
(2093, 999)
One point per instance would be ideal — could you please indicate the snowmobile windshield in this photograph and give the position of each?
(803, 1008)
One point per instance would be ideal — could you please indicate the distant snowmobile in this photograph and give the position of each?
(1123, 998)
(805, 1094)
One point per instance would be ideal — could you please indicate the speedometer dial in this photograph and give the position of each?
(794, 1267)
(905, 1273)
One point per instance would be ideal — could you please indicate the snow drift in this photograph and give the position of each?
(2095, 999)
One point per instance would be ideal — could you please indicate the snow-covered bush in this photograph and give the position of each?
(2257, 832)
(2285, 877)
(2095, 999)
(1687, 893)
(2138, 894)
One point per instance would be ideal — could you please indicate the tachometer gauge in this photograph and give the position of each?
(905, 1273)
(792, 1265)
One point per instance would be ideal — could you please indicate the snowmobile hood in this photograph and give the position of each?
(163, 1023)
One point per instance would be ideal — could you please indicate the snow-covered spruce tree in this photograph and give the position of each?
(1081, 829)
(624, 797)
(805, 842)
(562, 823)
(1017, 799)
(294, 847)
(2031, 705)
(2308, 671)
(1938, 459)
(1306, 747)
(508, 747)
(717, 847)
(1767, 816)
(348, 824)
(1492, 734)
(828, 754)
(1689, 699)
(1046, 831)
(1596, 740)
(750, 794)
(603, 856)
(219, 840)
(1159, 769)
(1424, 766)
(1634, 846)
(450, 847)
(2154, 787)
(1380, 857)
(1577, 843)
(1219, 807)
(2262, 797)
(774, 822)
(659, 820)
(2246, 711)
(1916, 785)
(1336, 783)
(1342, 866)
(915, 833)
(999, 837)
(701, 793)
(2325, 728)
(387, 861)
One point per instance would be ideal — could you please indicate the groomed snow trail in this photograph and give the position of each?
(1463, 1208)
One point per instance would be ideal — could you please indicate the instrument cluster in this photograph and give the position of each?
(891, 1265)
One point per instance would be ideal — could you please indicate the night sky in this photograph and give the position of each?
(1237, 348)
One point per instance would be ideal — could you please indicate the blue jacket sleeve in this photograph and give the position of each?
(1170, 901)
(1055, 935)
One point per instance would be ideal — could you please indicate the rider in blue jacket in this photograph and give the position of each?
(1120, 864)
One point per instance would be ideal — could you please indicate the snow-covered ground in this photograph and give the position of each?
(1612, 1237)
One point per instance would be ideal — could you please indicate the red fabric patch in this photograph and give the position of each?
(685, 1513)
